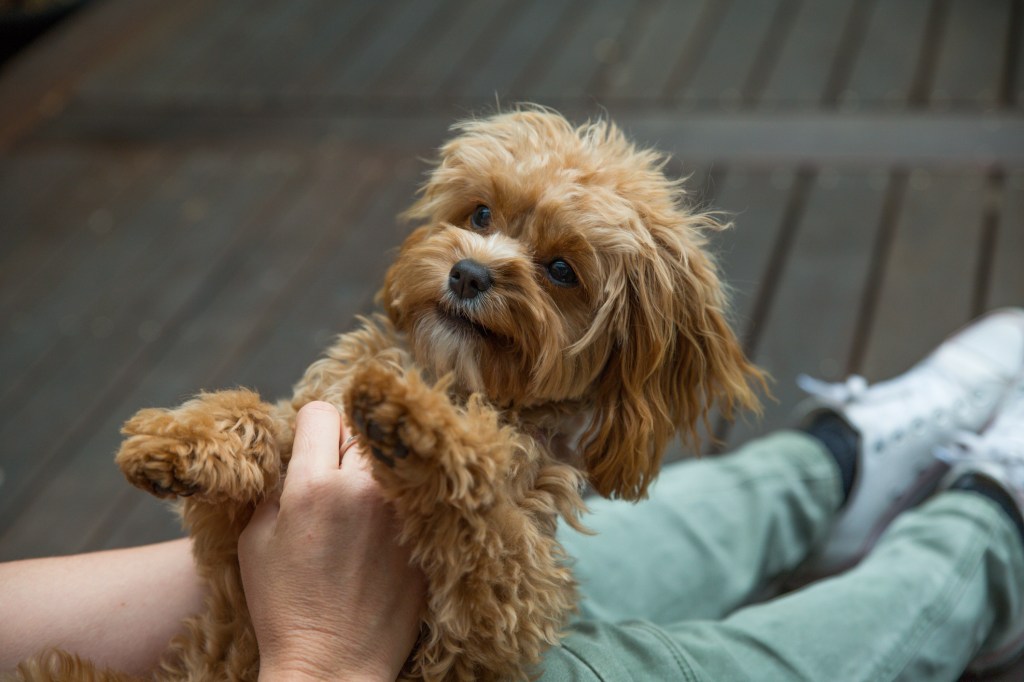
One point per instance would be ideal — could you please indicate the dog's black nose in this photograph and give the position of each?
(469, 278)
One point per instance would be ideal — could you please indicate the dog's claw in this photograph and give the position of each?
(374, 431)
(164, 491)
(377, 434)
(379, 454)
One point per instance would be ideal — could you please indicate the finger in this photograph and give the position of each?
(317, 439)
(355, 460)
(348, 440)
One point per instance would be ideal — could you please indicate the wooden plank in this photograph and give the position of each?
(573, 64)
(725, 68)
(143, 520)
(162, 44)
(850, 138)
(100, 364)
(495, 70)
(884, 70)
(401, 23)
(74, 218)
(800, 78)
(611, 51)
(826, 274)
(335, 281)
(186, 77)
(340, 49)
(28, 184)
(768, 53)
(294, 238)
(927, 285)
(849, 46)
(39, 83)
(334, 25)
(62, 305)
(338, 293)
(755, 199)
(466, 30)
(662, 41)
(1006, 281)
(970, 66)
(264, 43)
(1015, 78)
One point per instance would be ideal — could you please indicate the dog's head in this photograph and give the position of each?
(557, 264)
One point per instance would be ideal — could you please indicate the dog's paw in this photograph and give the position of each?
(219, 446)
(155, 459)
(391, 413)
(383, 442)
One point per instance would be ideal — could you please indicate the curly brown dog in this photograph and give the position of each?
(554, 321)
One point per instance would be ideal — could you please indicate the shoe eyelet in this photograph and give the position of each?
(918, 425)
(879, 446)
(897, 436)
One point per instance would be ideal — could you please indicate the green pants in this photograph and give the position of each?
(667, 583)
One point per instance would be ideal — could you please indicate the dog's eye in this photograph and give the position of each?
(561, 273)
(481, 217)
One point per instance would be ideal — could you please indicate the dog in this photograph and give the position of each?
(553, 322)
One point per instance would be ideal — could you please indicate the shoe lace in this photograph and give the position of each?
(922, 397)
(841, 392)
(1003, 448)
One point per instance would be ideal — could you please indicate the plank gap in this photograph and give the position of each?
(697, 44)
(1011, 59)
(928, 58)
(850, 43)
(988, 237)
(769, 52)
(892, 207)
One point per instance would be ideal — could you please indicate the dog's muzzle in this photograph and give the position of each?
(468, 279)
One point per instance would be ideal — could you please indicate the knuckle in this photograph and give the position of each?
(309, 491)
(319, 408)
(364, 488)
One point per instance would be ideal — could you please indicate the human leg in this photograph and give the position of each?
(712, 532)
(944, 583)
(956, 388)
(991, 464)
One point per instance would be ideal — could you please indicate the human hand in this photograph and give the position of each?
(330, 592)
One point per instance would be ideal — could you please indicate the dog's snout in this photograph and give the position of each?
(468, 278)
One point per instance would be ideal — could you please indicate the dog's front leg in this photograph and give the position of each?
(218, 447)
(221, 452)
(477, 504)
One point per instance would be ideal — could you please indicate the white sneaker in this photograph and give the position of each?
(997, 454)
(958, 387)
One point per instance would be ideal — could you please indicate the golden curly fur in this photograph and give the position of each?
(591, 331)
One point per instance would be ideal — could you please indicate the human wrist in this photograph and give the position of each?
(308, 673)
(310, 664)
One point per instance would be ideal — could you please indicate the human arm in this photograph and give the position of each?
(93, 604)
(331, 593)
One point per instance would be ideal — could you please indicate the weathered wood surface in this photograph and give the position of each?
(200, 194)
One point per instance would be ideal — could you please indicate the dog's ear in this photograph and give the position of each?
(389, 296)
(675, 357)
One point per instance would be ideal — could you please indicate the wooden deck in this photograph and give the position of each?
(199, 194)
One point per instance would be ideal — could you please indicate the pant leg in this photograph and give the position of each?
(944, 583)
(712, 532)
